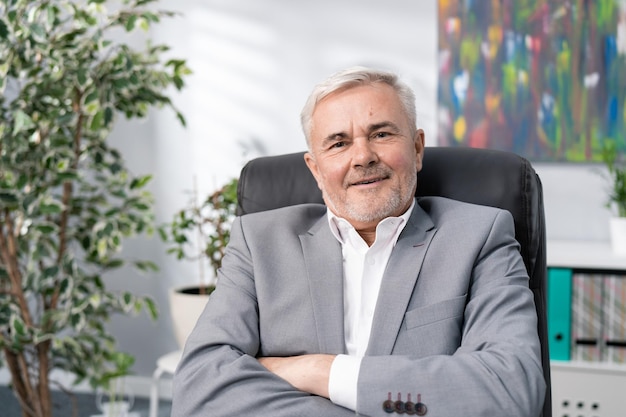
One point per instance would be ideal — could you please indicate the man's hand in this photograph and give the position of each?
(308, 373)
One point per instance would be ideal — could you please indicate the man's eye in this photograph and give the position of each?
(337, 145)
(381, 134)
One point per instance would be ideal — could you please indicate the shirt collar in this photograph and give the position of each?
(341, 228)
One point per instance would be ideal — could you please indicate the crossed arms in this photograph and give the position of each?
(258, 347)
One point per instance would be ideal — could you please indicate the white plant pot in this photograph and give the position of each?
(116, 408)
(618, 235)
(116, 401)
(185, 310)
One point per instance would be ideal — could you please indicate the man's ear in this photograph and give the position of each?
(419, 148)
(309, 159)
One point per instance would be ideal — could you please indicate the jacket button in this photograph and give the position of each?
(420, 409)
(409, 407)
(388, 406)
(398, 407)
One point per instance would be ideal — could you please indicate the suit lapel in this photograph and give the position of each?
(399, 282)
(324, 265)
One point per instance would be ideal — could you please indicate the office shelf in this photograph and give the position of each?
(587, 389)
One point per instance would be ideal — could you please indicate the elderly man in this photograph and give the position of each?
(375, 303)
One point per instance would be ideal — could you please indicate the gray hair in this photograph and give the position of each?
(354, 77)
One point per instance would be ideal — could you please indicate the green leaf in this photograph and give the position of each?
(47, 228)
(8, 197)
(51, 207)
(38, 32)
(50, 17)
(142, 206)
(12, 15)
(128, 298)
(178, 82)
(97, 121)
(78, 320)
(67, 176)
(130, 23)
(108, 116)
(82, 77)
(147, 266)
(51, 271)
(114, 263)
(22, 122)
(95, 300)
(101, 247)
(65, 287)
(32, 14)
(4, 30)
(140, 182)
(92, 102)
(18, 327)
(144, 24)
(65, 119)
(152, 308)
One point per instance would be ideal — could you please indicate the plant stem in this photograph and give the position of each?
(8, 251)
(202, 288)
(67, 185)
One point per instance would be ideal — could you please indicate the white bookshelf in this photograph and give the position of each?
(587, 389)
(584, 255)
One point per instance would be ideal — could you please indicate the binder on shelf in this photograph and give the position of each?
(559, 294)
(614, 332)
(587, 315)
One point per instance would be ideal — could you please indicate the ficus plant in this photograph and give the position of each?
(200, 231)
(67, 199)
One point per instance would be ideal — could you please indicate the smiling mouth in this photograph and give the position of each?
(369, 181)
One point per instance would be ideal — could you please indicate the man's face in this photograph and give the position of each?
(364, 154)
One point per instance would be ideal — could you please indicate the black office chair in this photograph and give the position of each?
(480, 176)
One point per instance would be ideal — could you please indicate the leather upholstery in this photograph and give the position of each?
(480, 176)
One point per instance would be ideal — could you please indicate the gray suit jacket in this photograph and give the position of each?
(454, 323)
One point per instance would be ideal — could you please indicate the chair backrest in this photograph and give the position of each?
(481, 176)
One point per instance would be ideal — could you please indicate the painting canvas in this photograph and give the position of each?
(544, 79)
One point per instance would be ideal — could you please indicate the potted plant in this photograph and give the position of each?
(114, 398)
(199, 232)
(67, 200)
(616, 200)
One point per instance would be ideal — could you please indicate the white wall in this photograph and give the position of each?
(254, 64)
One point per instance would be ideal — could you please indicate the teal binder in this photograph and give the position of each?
(559, 312)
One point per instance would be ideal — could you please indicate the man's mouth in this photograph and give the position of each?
(369, 181)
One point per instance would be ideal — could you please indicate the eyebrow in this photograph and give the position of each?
(335, 136)
(371, 128)
(377, 126)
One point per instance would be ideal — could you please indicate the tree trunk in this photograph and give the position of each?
(34, 396)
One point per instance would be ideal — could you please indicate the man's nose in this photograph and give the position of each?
(363, 153)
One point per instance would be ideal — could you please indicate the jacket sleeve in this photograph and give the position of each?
(219, 374)
(496, 370)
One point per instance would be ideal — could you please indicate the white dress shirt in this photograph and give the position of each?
(363, 269)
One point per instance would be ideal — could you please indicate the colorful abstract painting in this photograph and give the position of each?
(544, 79)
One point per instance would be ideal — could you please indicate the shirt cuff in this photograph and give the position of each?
(343, 380)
